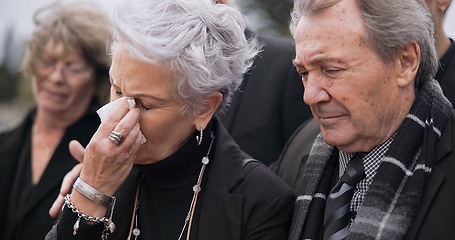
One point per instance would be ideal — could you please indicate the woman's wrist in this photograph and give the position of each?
(87, 206)
(92, 205)
(106, 222)
(87, 230)
(92, 193)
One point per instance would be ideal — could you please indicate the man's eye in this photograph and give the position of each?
(304, 75)
(332, 72)
(118, 93)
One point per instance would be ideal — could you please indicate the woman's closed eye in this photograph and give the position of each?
(143, 107)
(118, 94)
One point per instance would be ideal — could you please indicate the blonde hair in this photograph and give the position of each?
(80, 27)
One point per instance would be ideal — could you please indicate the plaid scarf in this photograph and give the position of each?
(394, 195)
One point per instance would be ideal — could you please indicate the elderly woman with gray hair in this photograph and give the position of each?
(161, 166)
(68, 68)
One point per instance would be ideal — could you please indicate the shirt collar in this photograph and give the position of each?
(371, 161)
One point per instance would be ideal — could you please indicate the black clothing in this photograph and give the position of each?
(239, 200)
(446, 73)
(24, 208)
(433, 217)
(268, 107)
(167, 191)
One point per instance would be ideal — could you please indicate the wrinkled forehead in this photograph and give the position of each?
(336, 23)
(329, 34)
(316, 6)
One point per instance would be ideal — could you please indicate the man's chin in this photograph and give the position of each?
(335, 138)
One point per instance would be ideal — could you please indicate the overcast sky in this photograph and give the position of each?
(19, 13)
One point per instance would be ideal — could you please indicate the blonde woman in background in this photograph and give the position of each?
(67, 62)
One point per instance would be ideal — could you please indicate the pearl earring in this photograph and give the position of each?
(199, 138)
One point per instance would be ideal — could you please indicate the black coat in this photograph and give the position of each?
(269, 105)
(240, 202)
(31, 220)
(446, 73)
(435, 217)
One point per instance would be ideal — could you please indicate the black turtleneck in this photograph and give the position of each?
(167, 190)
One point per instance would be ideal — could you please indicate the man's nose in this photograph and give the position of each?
(315, 91)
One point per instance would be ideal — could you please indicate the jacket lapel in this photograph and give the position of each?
(307, 182)
(60, 164)
(11, 144)
(222, 207)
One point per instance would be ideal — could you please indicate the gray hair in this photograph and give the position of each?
(202, 43)
(390, 25)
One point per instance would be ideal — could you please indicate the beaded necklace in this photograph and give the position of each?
(134, 229)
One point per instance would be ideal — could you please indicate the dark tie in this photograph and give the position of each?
(337, 218)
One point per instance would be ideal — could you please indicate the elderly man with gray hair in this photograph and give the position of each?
(161, 165)
(383, 165)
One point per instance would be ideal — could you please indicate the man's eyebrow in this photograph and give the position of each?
(299, 67)
(317, 59)
(323, 58)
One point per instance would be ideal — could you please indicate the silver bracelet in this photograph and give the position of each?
(109, 226)
(92, 193)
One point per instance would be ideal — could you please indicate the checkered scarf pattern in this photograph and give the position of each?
(394, 195)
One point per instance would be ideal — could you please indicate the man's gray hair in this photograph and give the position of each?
(390, 25)
(202, 43)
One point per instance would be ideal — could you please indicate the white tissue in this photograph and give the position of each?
(102, 112)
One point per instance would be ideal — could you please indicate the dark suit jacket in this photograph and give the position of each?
(240, 201)
(435, 217)
(31, 220)
(269, 104)
(446, 73)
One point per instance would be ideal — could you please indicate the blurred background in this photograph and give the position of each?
(266, 16)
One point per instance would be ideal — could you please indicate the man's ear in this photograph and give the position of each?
(206, 113)
(408, 61)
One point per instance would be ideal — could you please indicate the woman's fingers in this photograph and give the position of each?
(104, 163)
(109, 156)
(56, 206)
(77, 150)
